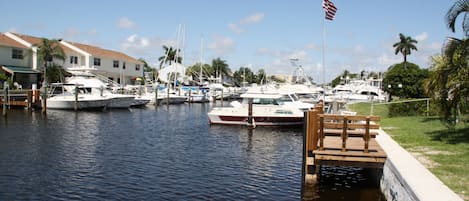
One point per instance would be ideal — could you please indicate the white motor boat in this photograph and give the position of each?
(269, 108)
(67, 100)
(95, 86)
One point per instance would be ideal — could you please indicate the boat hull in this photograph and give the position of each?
(121, 101)
(258, 120)
(263, 116)
(68, 103)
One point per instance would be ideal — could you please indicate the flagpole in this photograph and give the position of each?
(324, 58)
(329, 13)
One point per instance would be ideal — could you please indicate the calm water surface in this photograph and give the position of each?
(164, 154)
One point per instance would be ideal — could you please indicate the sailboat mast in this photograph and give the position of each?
(201, 59)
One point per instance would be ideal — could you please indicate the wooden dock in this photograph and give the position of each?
(20, 98)
(340, 140)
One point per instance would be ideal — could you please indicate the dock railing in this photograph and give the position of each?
(341, 140)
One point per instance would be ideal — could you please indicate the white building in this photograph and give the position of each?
(19, 51)
(18, 60)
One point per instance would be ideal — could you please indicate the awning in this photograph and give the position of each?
(19, 69)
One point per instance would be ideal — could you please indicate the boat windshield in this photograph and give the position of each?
(264, 101)
(294, 97)
(283, 99)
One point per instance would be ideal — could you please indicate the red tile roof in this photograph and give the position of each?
(103, 53)
(94, 51)
(7, 41)
(36, 41)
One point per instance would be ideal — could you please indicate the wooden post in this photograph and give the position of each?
(314, 129)
(344, 135)
(304, 167)
(167, 97)
(44, 97)
(156, 96)
(190, 95)
(250, 118)
(30, 99)
(5, 97)
(307, 122)
(321, 133)
(75, 104)
(367, 134)
(36, 94)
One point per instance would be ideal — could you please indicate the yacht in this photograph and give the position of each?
(269, 108)
(66, 97)
(95, 86)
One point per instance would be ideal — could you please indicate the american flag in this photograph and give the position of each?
(329, 9)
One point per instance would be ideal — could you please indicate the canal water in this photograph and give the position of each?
(168, 153)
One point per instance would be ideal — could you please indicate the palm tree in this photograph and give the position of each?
(461, 6)
(169, 56)
(405, 46)
(221, 68)
(448, 84)
(48, 51)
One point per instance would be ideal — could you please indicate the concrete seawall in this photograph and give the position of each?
(406, 179)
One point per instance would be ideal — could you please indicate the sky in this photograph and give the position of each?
(259, 34)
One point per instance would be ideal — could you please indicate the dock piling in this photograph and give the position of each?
(5, 97)
(75, 104)
(44, 97)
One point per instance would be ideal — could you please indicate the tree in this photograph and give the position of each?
(243, 76)
(195, 70)
(261, 76)
(448, 83)
(170, 55)
(405, 80)
(148, 68)
(339, 79)
(48, 51)
(221, 68)
(405, 46)
(459, 7)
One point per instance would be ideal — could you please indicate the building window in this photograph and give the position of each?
(73, 59)
(97, 61)
(123, 65)
(115, 64)
(17, 53)
(137, 67)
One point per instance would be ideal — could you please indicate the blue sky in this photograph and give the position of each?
(254, 33)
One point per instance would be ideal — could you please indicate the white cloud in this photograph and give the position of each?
(222, 45)
(252, 19)
(255, 18)
(235, 28)
(140, 46)
(131, 38)
(421, 37)
(125, 23)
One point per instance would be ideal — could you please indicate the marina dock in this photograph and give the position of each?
(20, 98)
(340, 140)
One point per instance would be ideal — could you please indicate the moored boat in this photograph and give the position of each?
(68, 99)
(269, 108)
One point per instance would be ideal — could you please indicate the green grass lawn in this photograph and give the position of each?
(445, 153)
